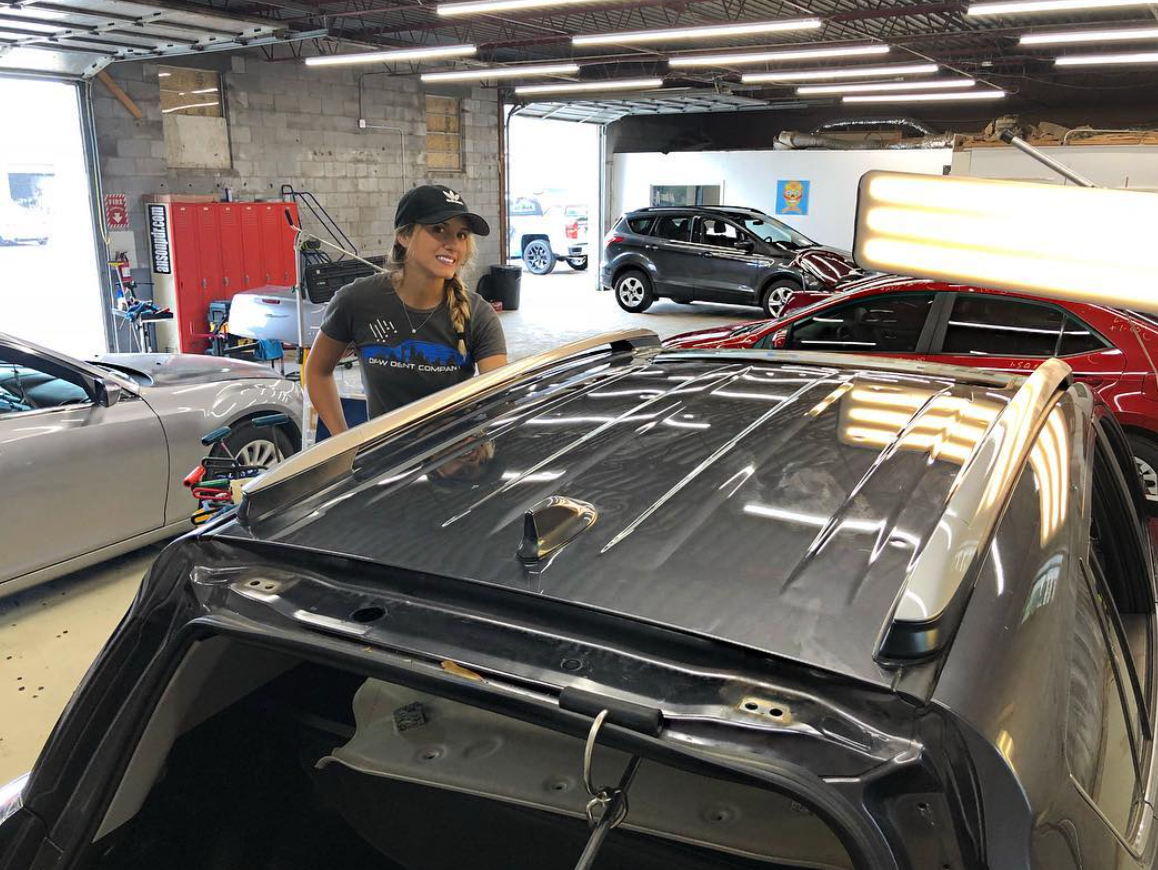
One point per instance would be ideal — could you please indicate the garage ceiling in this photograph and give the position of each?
(985, 48)
(76, 38)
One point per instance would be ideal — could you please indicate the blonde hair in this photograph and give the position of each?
(457, 302)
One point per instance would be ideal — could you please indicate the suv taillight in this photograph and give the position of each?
(612, 239)
(573, 230)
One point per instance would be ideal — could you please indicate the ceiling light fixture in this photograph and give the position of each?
(393, 56)
(926, 98)
(503, 72)
(1105, 59)
(938, 84)
(1063, 37)
(1028, 7)
(708, 32)
(579, 87)
(484, 6)
(844, 72)
(775, 56)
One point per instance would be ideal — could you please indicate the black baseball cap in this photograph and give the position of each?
(433, 204)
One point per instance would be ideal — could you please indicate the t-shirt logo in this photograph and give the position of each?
(451, 196)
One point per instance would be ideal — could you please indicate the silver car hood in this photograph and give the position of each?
(179, 369)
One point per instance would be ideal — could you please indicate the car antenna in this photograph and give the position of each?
(1065, 172)
(289, 220)
(608, 805)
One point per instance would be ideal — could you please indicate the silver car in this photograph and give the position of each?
(93, 454)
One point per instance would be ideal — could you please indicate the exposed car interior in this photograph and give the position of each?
(295, 765)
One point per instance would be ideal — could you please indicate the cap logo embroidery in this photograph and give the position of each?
(451, 196)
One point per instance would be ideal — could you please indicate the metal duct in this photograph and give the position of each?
(791, 139)
(861, 123)
(945, 140)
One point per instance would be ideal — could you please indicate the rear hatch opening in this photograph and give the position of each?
(255, 759)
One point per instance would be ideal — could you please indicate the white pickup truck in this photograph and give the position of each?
(543, 235)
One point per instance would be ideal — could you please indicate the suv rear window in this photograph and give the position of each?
(639, 225)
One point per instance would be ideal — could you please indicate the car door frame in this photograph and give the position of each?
(664, 252)
(109, 395)
(924, 340)
(1018, 362)
(742, 294)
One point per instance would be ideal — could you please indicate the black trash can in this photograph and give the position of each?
(502, 284)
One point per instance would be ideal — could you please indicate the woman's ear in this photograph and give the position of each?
(403, 238)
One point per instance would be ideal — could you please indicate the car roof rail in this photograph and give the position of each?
(311, 470)
(931, 602)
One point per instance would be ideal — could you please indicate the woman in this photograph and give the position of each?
(417, 328)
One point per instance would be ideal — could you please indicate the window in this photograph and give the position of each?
(981, 325)
(23, 388)
(685, 194)
(444, 133)
(525, 206)
(773, 232)
(639, 225)
(721, 234)
(190, 92)
(1079, 338)
(876, 324)
(676, 229)
(195, 128)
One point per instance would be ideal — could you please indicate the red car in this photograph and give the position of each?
(1114, 352)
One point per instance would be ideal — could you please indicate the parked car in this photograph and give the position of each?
(542, 234)
(803, 609)
(1112, 351)
(93, 454)
(716, 254)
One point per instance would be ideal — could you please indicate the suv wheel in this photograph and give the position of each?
(776, 296)
(579, 264)
(539, 257)
(1146, 458)
(633, 292)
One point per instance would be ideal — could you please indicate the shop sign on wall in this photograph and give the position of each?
(792, 196)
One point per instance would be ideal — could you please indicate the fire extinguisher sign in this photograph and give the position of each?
(116, 211)
(159, 239)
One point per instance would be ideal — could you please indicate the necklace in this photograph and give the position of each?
(406, 312)
(414, 329)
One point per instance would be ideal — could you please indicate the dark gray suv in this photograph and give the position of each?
(715, 254)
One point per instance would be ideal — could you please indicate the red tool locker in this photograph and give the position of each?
(206, 251)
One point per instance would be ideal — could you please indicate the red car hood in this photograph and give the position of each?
(737, 335)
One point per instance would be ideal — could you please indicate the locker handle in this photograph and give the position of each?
(225, 281)
(204, 283)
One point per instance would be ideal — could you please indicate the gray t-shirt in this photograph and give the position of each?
(405, 359)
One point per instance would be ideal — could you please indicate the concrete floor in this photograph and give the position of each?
(49, 635)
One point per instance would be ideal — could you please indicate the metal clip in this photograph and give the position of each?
(605, 797)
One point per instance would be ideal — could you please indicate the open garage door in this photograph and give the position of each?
(55, 282)
(50, 290)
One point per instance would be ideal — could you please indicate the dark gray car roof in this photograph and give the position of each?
(748, 497)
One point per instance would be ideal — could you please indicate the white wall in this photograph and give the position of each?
(748, 178)
(1131, 166)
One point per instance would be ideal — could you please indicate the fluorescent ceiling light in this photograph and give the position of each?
(1028, 7)
(710, 32)
(392, 56)
(188, 106)
(844, 72)
(926, 98)
(503, 72)
(1010, 235)
(609, 85)
(483, 6)
(777, 56)
(1103, 59)
(938, 84)
(1063, 37)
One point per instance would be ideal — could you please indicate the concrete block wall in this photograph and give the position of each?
(289, 123)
